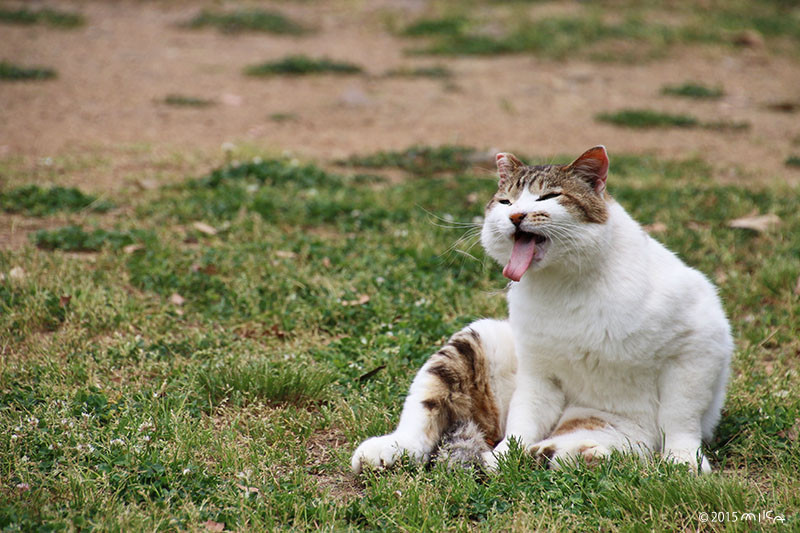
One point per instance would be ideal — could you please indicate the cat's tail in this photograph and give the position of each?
(462, 446)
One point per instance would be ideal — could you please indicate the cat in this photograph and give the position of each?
(612, 342)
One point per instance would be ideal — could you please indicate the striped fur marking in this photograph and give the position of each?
(462, 389)
(589, 422)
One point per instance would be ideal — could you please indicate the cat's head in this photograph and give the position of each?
(547, 215)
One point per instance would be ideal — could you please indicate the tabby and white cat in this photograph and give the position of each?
(611, 342)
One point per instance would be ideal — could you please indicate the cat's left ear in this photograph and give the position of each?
(507, 164)
(592, 166)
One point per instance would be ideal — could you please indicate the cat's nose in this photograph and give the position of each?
(517, 218)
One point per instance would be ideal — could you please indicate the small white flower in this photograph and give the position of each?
(23, 459)
(33, 421)
(363, 340)
(146, 426)
(389, 334)
(245, 474)
(14, 436)
(420, 302)
(380, 280)
(253, 187)
(117, 442)
(86, 415)
(23, 486)
(187, 471)
(146, 438)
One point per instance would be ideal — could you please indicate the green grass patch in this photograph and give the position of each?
(179, 100)
(248, 20)
(793, 161)
(300, 65)
(417, 159)
(37, 201)
(634, 33)
(693, 90)
(11, 72)
(51, 17)
(451, 26)
(240, 383)
(128, 409)
(436, 72)
(646, 118)
(76, 239)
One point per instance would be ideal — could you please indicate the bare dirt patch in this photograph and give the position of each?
(115, 72)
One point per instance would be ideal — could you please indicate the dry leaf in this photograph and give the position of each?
(362, 299)
(147, 184)
(16, 273)
(202, 227)
(793, 432)
(177, 299)
(131, 248)
(205, 269)
(655, 227)
(214, 526)
(759, 223)
(285, 254)
(249, 490)
(64, 300)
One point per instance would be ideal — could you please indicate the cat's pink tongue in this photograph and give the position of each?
(521, 256)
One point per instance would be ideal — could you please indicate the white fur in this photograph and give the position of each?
(605, 323)
(611, 320)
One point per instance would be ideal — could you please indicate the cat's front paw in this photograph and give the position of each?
(691, 457)
(557, 451)
(491, 458)
(384, 451)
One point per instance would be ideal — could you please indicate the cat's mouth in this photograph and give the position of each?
(528, 247)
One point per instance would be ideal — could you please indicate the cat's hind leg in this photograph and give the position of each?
(590, 435)
(470, 378)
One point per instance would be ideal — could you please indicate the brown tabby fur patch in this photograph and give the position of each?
(462, 391)
(590, 422)
(577, 192)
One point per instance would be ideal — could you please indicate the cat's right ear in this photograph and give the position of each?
(507, 164)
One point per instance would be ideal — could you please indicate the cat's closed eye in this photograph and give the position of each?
(548, 196)
(504, 201)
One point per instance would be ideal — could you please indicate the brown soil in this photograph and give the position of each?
(115, 72)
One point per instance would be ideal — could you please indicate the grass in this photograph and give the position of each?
(76, 239)
(179, 100)
(300, 65)
(248, 20)
(693, 90)
(11, 72)
(635, 32)
(417, 159)
(793, 161)
(647, 118)
(33, 200)
(436, 72)
(239, 403)
(51, 17)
